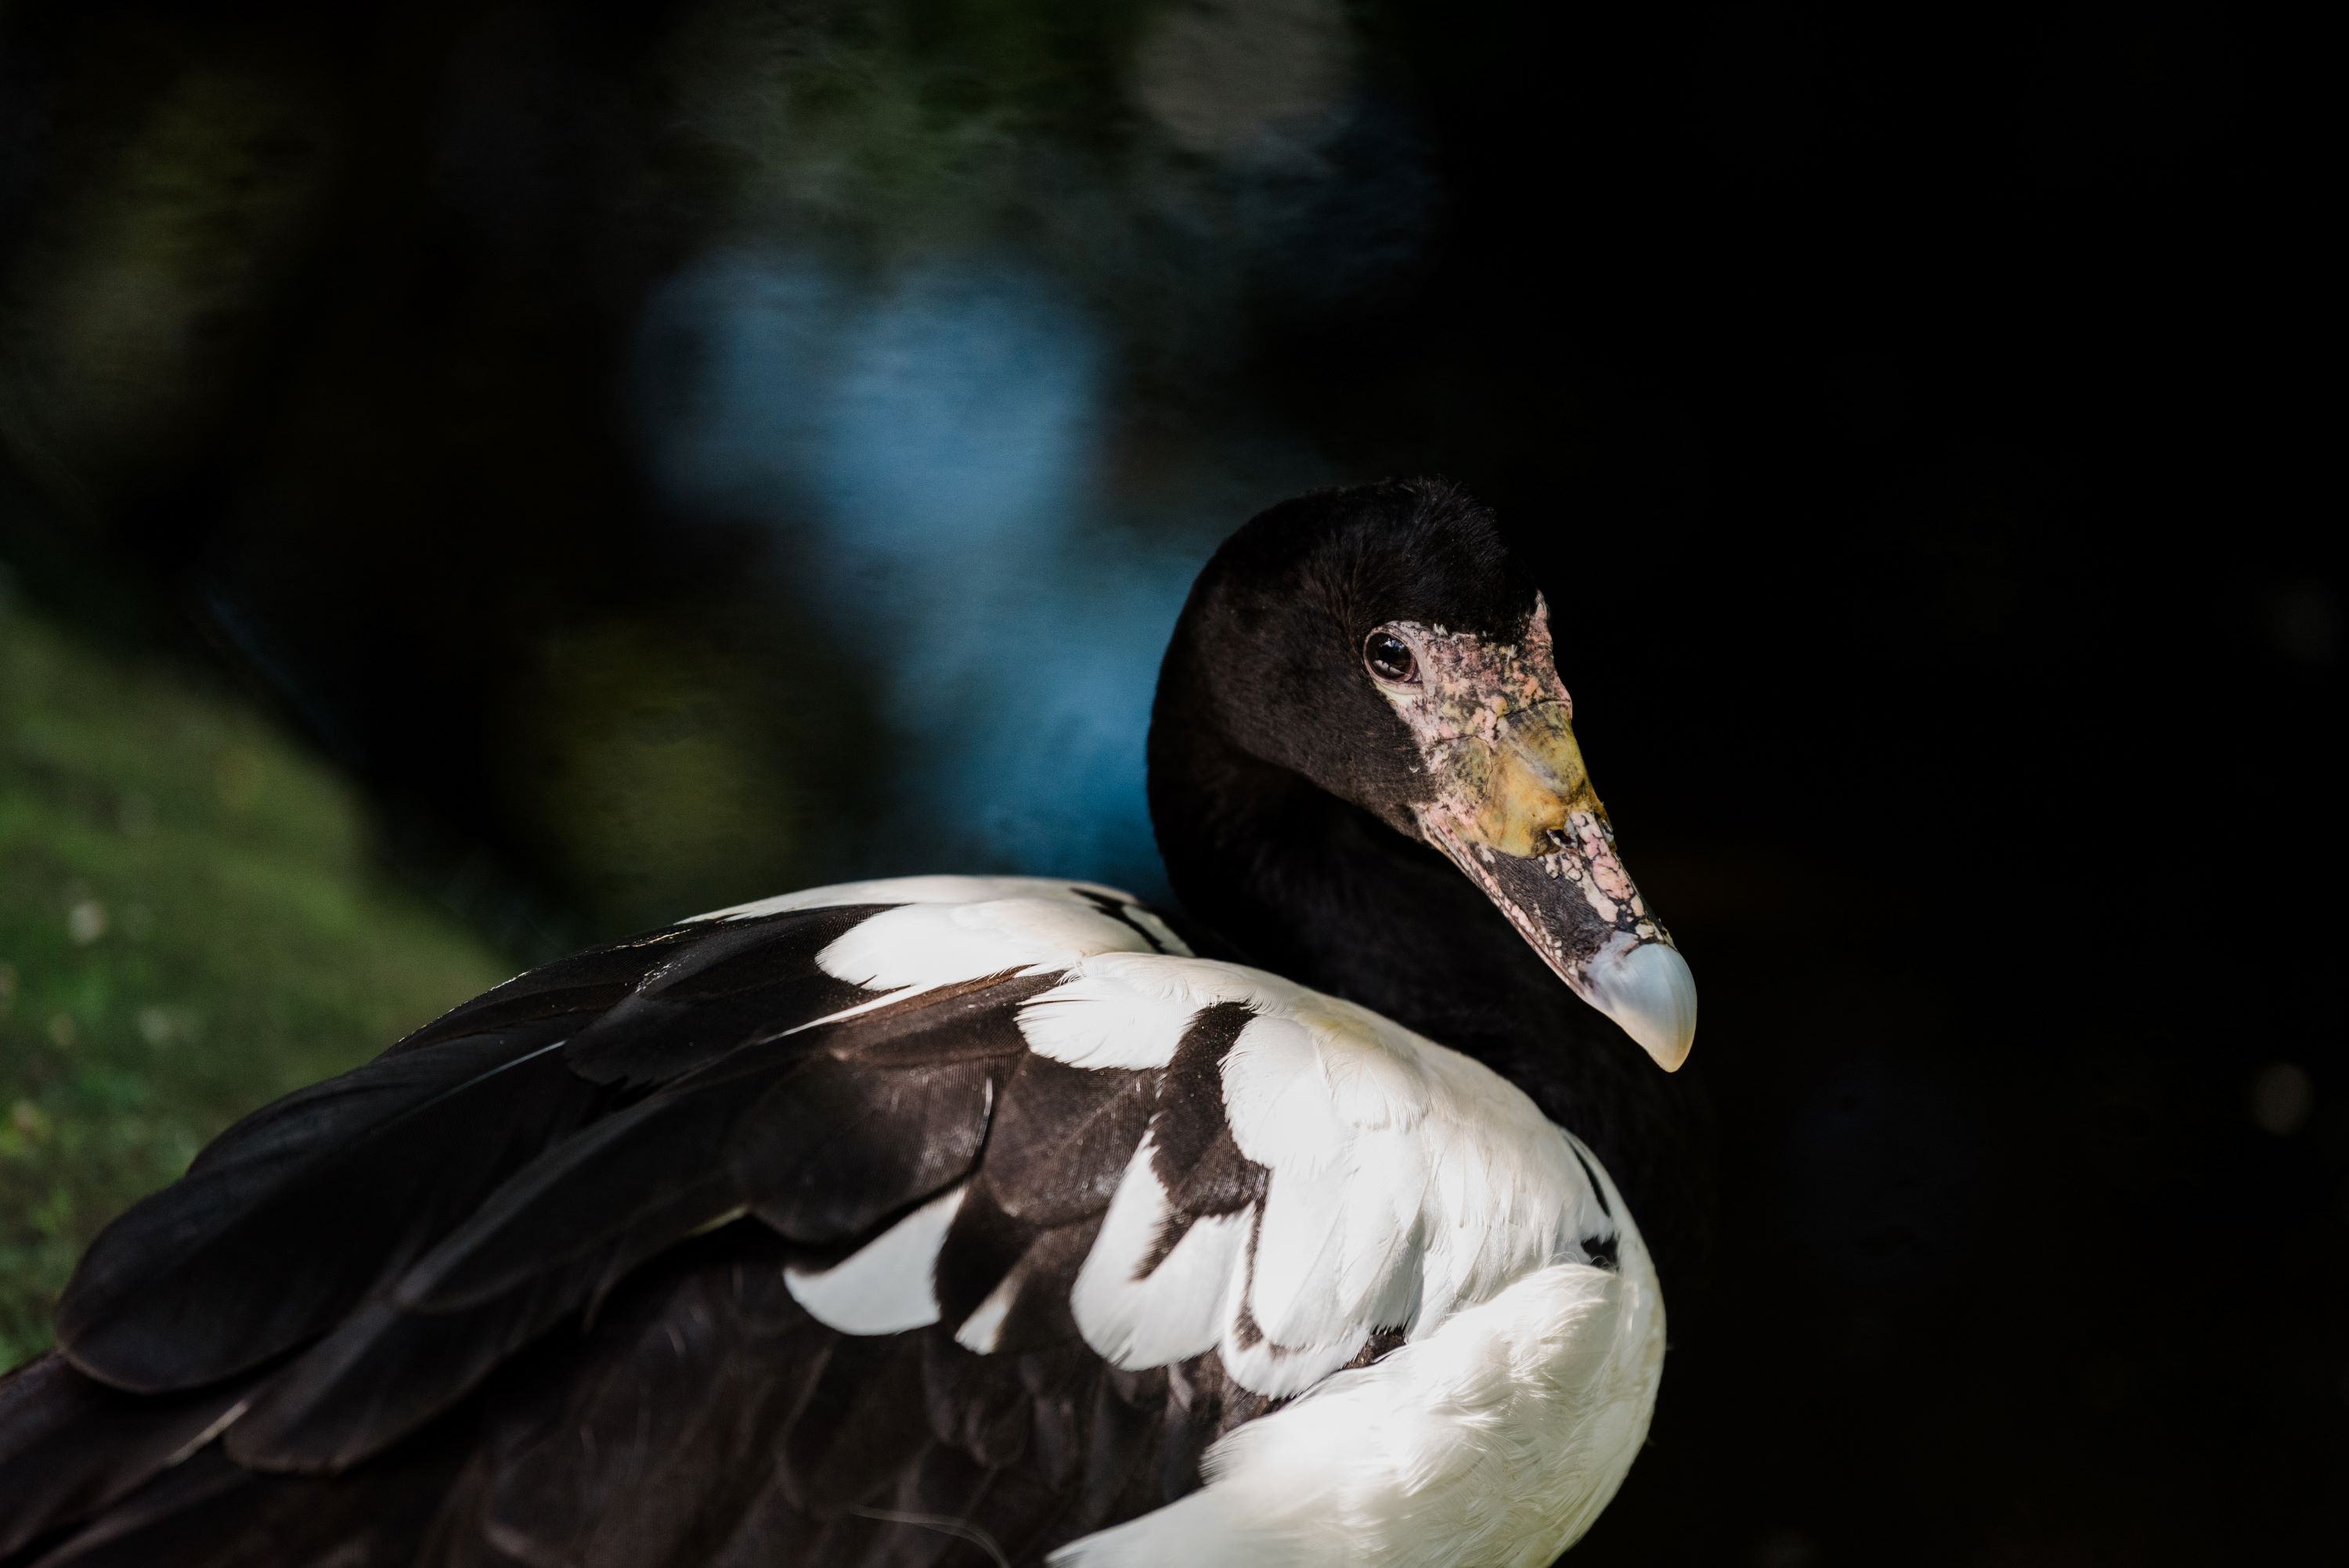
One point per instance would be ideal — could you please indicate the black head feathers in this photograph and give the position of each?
(1267, 657)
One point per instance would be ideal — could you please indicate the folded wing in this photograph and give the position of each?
(905, 1211)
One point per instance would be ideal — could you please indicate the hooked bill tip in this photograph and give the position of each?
(1647, 988)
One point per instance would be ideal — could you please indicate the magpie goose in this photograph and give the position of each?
(971, 1219)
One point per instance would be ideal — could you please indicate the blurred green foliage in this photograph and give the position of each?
(191, 923)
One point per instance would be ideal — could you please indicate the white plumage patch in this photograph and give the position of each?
(924, 890)
(1115, 1009)
(918, 946)
(1181, 1308)
(1403, 1178)
(983, 1329)
(1493, 1441)
(885, 1286)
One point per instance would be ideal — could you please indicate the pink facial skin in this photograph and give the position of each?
(1513, 805)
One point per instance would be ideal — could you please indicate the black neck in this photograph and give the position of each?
(1290, 879)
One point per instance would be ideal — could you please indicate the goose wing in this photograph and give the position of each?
(942, 1219)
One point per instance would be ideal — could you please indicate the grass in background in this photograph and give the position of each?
(190, 924)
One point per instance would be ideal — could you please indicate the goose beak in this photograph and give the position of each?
(1550, 864)
(1512, 807)
(1647, 988)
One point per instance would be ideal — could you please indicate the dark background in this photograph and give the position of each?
(664, 454)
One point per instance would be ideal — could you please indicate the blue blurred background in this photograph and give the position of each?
(479, 479)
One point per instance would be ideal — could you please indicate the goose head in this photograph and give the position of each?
(1382, 644)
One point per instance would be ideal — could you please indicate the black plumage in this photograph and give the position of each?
(380, 1246)
(514, 1292)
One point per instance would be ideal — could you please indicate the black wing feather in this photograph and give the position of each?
(70, 1445)
(737, 984)
(1064, 1135)
(514, 1292)
(384, 1372)
(369, 1168)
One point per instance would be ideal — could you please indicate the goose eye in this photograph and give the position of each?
(1389, 657)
